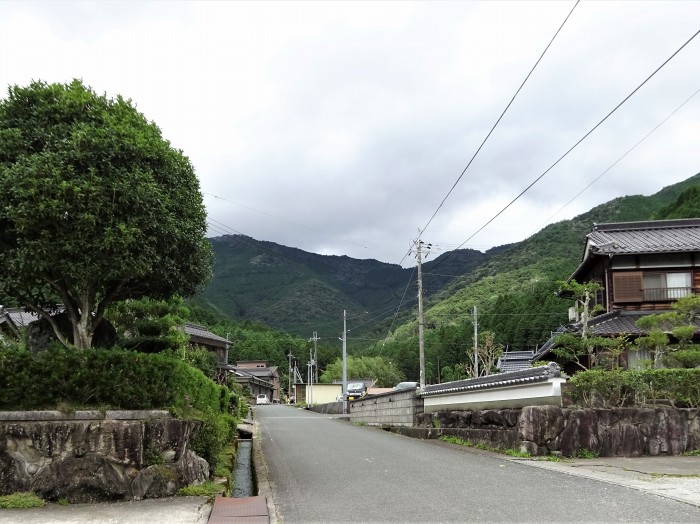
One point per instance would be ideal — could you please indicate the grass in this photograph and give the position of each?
(549, 458)
(21, 501)
(674, 475)
(478, 445)
(583, 453)
(206, 489)
(693, 453)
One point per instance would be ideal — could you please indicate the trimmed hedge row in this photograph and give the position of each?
(598, 388)
(112, 378)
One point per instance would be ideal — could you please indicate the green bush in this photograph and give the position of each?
(684, 358)
(96, 378)
(217, 431)
(598, 388)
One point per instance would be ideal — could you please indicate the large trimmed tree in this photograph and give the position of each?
(95, 207)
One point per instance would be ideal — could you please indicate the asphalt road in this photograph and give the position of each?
(321, 469)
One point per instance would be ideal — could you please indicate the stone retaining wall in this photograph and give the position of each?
(541, 430)
(90, 456)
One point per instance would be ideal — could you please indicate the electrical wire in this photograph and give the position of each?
(498, 120)
(575, 145)
(616, 161)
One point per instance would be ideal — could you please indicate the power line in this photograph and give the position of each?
(498, 120)
(574, 146)
(617, 161)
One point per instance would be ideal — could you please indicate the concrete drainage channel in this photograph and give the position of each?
(244, 470)
(244, 504)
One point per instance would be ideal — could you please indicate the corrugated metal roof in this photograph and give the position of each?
(660, 236)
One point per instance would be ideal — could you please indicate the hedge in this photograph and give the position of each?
(117, 379)
(598, 388)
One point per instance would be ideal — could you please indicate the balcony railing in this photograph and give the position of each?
(666, 294)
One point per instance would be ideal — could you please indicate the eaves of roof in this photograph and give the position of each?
(531, 375)
(636, 238)
(195, 330)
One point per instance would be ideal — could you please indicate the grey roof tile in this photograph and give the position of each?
(538, 374)
(202, 332)
(660, 236)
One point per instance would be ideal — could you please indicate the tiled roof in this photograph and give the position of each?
(660, 236)
(18, 316)
(608, 324)
(514, 361)
(195, 330)
(538, 374)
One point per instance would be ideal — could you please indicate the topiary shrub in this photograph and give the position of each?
(115, 378)
(598, 388)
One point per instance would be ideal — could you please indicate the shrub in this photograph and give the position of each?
(684, 358)
(597, 388)
(96, 378)
(217, 431)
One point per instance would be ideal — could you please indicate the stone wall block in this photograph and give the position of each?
(693, 429)
(91, 478)
(492, 417)
(540, 424)
(465, 419)
(668, 434)
(621, 440)
(581, 432)
(97, 460)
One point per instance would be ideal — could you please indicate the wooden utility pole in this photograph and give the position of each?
(314, 356)
(421, 338)
(345, 365)
(476, 346)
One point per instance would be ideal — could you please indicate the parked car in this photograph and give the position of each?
(406, 385)
(356, 390)
(262, 399)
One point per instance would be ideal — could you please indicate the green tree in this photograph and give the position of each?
(385, 373)
(680, 323)
(149, 325)
(96, 207)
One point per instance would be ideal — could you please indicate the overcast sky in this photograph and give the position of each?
(340, 127)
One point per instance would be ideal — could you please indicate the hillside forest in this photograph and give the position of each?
(269, 300)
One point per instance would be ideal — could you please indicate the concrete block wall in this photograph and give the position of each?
(396, 408)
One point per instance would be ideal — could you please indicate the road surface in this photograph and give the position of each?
(322, 469)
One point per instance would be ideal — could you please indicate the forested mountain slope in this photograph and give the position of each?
(512, 286)
(297, 291)
(514, 291)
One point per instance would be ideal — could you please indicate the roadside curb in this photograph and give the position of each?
(262, 477)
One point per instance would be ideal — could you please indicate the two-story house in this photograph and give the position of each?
(642, 268)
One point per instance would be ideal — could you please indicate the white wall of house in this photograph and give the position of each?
(518, 396)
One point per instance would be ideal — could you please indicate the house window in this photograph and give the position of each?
(627, 287)
(667, 286)
(651, 286)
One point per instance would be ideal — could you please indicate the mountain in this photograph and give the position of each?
(512, 286)
(297, 291)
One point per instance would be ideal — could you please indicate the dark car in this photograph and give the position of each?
(406, 385)
(356, 390)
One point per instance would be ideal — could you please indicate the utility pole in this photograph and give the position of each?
(421, 338)
(289, 388)
(345, 365)
(314, 357)
(476, 346)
